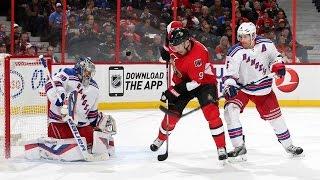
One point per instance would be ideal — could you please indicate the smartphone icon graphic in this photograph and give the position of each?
(116, 80)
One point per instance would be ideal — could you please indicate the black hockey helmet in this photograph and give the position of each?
(178, 36)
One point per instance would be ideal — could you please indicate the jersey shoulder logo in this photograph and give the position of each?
(197, 62)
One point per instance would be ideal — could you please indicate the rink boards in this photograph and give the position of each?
(139, 86)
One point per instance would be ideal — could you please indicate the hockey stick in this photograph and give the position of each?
(71, 104)
(167, 111)
(162, 157)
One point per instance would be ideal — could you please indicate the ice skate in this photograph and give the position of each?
(222, 155)
(156, 144)
(238, 154)
(294, 151)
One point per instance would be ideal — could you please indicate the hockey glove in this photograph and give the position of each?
(58, 103)
(173, 93)
(230, 90)
(164, 54)
(279, 69)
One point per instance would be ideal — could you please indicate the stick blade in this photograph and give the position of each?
(163, 157)
(165, 110)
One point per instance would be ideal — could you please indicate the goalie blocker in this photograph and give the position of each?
(67, 149)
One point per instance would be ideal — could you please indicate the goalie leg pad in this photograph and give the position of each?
(53, 149)
(103, 143)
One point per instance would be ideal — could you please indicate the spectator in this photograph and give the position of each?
(270, 34)
(73, 29)
(50, 53)
(147, 15)
(217, 9)
(35, 13)
(23, 42)
(3, 47)
(206, 15)
(301, 52)
(222, 48)
(31, 50)
(55, 25)
(287, 58)
(3, 36)
(90, 28)
(17, 29)
(130, 54)
(282, 45)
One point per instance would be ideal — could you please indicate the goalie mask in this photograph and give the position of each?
(85, 70)
(106, 123)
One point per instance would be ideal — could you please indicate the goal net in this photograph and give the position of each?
(23, 104)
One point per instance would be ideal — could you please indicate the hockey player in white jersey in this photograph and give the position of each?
(96, 127)
(253, 58)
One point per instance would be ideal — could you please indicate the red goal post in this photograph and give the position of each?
(23, 103)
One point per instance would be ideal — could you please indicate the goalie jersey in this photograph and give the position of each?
(249, 65)
(86, 108)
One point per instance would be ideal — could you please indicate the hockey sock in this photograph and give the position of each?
(231, 116)
(281, 130)
(211, 113)
(172, 123)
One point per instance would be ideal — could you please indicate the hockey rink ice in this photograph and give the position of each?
(192, 153)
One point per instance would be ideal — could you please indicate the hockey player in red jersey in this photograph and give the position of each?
(252, 59)
(193, 77)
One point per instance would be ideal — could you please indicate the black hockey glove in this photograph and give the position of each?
(173, 93)
(164, 54)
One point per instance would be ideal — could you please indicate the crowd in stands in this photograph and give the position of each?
(91, 26)
(317, 4)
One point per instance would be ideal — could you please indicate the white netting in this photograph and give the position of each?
(28, 103)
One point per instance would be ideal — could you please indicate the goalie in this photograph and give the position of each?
(95, 128)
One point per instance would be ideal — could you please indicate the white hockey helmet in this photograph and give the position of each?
(247, 28)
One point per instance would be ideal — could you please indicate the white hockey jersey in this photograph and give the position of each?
(249, 65)
(86, 108)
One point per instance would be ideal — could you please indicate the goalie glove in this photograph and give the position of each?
(106, 124)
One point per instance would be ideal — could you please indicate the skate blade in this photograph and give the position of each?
(296, 156)
(241, 158)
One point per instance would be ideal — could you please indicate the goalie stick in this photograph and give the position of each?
(167, 111)
(71, 103)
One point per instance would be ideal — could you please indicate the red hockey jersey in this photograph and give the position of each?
(193, 66)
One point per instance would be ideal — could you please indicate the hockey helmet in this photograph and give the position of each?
(247, 28)
(178, 36)
(174, 25)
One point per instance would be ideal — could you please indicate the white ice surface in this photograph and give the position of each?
(192, 153)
